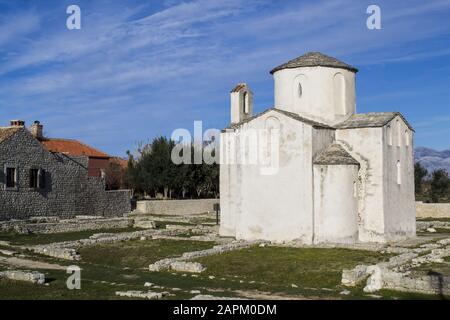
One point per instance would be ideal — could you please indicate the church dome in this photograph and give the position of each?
(314, 59)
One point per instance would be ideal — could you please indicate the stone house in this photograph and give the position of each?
(340, 177)
(98, 161)
(36, 181)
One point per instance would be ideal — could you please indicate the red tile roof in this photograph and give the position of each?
(72, 147)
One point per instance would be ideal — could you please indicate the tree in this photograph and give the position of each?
(113, 176)
(419, 174)
(439, 184)
(152, 171)
(131, 174)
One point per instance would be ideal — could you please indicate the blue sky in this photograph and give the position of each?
(139, 69)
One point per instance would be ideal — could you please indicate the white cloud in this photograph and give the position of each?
(175, 62)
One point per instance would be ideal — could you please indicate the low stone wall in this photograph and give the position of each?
(186, 266)
(432, 210)
(176, 207)
(55, 225)
(19, 275)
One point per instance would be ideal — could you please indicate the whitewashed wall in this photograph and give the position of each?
(366, 146)
(322, 97)
(399, 207)
(335, 204)
(258, 206)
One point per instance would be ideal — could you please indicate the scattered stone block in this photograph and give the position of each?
(149, 295)
(209, 297)
(352, 277)
(192, 267)
(144, 224)
(7, 252)
(375, 281)
(29, 276)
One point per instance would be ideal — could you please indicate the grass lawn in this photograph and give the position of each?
(434, 268)
(434, 219)
(278, 268)
(121, 266)
(163, 224)
(108, 268)
(34, 239)
(139, 254)
(442, 230)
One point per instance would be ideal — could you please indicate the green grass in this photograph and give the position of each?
(139, 254)
(434, 219)
(122, 266)
(442, 230)
(279, 268)
(34, 239)
(163, 224)
(434, 268)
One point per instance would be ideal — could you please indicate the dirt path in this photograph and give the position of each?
(30, 264)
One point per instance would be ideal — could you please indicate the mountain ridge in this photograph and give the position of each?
(432, 159)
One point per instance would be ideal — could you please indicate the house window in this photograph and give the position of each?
(42, 180)
(407, 138)
(399, 133)
(34, 178)
(300, 90)
(399, 173)
(37, 178)
(11, 178)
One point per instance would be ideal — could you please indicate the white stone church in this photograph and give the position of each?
(342, 177)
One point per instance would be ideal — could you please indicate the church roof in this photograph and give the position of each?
(6, 132)
(370, 120)
(286, 113)
(335, 155)
(314, 59)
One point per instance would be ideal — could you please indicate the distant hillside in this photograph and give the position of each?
(432, 159)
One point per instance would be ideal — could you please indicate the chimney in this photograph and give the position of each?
(37, 129)
(17, 123)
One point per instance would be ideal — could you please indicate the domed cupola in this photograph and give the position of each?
(316, 86)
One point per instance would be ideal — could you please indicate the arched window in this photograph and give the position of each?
(399, 173)
(300, 92)
(399, 133)
(245, 102)
(339, 94)
(407, 138)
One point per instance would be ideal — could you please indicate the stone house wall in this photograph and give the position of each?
(68, 189)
